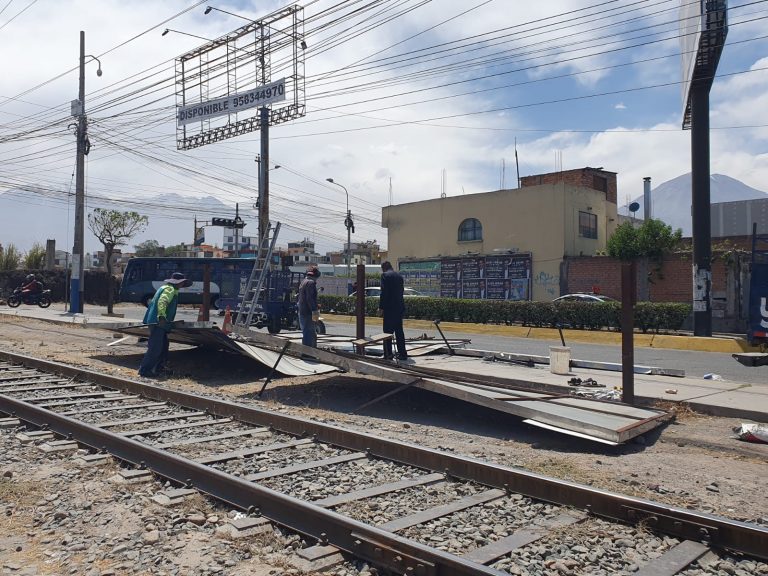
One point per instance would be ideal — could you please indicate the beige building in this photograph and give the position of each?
(550, 216)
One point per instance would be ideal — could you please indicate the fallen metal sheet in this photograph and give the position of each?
(414, 346)
(603, 421)
(208, 335)
(288, 366)
(575, 363)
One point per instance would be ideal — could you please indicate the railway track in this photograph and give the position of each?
(403, 508)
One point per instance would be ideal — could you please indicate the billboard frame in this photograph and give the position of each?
(224, 60)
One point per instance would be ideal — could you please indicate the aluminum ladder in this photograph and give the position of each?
(256, 280)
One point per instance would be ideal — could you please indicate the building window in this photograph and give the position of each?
(588, 225)
(470, 229)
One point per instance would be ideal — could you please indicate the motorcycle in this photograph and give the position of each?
(42, 299)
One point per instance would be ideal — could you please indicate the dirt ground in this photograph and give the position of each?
(694, 462)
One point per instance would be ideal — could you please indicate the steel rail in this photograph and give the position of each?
(716, 531)
(375, 545)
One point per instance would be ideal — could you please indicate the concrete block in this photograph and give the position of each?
(173, 497)
(59, 446)
(559, 359)
(317, 559)
(244, 527)
(132, 477)
(27, 437)
(92, 460)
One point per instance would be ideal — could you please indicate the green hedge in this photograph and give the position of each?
(649, 316)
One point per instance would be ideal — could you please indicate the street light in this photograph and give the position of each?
(350, 226)
(185, 34)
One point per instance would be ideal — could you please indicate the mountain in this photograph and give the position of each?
(671, 200)
(27, 217)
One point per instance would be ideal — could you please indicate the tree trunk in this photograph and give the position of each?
(108, 250)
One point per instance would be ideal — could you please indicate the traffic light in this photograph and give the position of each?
(228, 222)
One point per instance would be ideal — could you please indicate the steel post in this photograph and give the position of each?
(700, 197)
(628, 280)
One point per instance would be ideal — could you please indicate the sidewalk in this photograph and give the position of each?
(718, 398)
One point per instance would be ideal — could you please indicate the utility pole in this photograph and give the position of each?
(263, 159)
(77, 281)
(237, 231)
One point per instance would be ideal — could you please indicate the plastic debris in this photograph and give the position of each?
(712, 377)
(589, 383)
(670, 391)
(597, 394)
(757, 433)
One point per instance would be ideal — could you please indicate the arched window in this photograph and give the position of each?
(470, 229)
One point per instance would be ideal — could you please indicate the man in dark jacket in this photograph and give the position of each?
(392, 305)
(309, 313)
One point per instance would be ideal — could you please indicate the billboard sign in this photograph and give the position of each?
(691, 24)
(255, 98)
(223, 85)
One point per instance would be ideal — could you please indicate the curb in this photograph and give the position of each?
(724, 345)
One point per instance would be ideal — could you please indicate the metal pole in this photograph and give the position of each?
(77, 281)
(237, 231)
(264, 177)
(360, 307)
(628, 279)
(647, 215)
(702, 245)
(349, 242)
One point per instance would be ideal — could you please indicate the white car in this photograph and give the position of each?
(584, 297)
(375, 292)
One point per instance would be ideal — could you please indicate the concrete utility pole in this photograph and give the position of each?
(77, 281)
(77, 284)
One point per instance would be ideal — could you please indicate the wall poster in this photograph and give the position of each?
(494, 277)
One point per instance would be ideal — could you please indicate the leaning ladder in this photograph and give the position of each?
(251, 295)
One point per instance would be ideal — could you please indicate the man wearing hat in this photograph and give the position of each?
(159, 315)
(309, 313)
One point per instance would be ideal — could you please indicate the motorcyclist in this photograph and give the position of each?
(31, 287)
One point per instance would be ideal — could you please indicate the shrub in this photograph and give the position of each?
(652, 316)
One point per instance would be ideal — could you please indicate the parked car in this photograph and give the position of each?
(375, 292)
(584, 297)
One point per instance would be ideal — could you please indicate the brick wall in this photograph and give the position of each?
(584, 177)
(603, 274)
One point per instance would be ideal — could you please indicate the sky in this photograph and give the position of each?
(405, 100)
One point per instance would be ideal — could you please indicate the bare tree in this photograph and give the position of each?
(114, 228)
